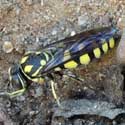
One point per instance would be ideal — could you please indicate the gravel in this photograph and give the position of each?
(27, 25)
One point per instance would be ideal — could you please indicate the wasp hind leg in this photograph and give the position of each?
(76, 78)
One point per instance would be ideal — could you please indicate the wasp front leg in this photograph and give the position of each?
(14, 93)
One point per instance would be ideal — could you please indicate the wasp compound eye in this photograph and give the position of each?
(17, 81)
(13, 74)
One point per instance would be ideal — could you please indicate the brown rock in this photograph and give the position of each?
(121, 49)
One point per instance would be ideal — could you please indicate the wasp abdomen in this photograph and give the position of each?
(93, 51)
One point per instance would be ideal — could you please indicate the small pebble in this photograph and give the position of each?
(72, 33)
(29, 2)
(95, 106)
(121, 49)
(54, 32)
(42, 2)
(39, 92)
(7, 47)
(83, 20)
(17, 10)
(8, 104)
(31, 113)
(114, 123)
(21, 98)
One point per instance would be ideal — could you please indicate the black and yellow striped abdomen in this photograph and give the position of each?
(95, 52)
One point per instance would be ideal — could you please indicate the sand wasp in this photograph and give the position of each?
(68, 53)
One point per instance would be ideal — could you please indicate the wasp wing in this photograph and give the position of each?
(83, 45)
(73, 39)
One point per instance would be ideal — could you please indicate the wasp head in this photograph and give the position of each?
(17, 80)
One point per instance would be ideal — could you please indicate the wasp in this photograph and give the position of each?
(68, 53)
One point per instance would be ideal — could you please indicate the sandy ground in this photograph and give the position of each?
(31, 24)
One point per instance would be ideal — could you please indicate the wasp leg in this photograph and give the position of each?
(13, 94)
(54, 94)
(16, 93)
(74, 77)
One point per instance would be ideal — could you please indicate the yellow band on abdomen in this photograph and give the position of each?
(71, 64)
(84, 59)
(105, 47)
(111, 43)
(97, 52)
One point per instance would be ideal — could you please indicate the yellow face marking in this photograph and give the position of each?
(46, 55)
(37, 71)
(23, 60)
(43, 62)
(71, 64)
(105, 47)
(85, 59)
(111, 43)
(97, 52)
(66, 55)
(28, 68)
